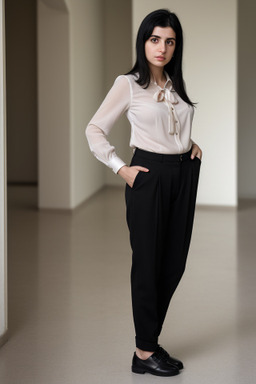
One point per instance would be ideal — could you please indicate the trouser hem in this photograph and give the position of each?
(146, 345)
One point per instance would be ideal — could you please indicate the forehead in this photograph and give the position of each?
(164, 32)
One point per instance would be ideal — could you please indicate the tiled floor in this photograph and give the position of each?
(70, 314)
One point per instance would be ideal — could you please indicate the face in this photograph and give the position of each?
(159, 48)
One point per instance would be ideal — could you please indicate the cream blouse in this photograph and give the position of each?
(160, 120)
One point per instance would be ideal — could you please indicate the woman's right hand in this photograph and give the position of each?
(129, 173)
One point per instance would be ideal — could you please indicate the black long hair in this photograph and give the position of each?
(160, 18)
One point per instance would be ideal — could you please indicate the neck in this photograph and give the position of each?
(157, 74)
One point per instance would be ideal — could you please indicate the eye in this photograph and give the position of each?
(154, 40)
(170, 42)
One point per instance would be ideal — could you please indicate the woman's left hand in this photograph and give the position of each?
(196, 152)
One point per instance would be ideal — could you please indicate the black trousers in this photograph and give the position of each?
(160, 214)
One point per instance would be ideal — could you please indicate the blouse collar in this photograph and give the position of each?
(168, 83)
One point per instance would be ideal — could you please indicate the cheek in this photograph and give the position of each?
(148, 50)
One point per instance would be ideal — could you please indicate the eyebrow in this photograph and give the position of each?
(168, 38)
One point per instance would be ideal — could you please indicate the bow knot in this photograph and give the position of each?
(165, 95)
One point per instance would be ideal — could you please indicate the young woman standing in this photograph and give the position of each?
(161, 181)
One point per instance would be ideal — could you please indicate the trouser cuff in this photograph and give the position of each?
(146, 345)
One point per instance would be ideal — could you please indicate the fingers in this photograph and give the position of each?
(196, 152)
(139, 168)
(134, 172)
(129, 173)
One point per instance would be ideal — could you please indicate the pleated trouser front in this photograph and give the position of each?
(160, 215)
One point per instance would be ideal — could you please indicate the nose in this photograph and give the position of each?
(162, 47)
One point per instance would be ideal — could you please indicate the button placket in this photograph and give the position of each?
(175, 121)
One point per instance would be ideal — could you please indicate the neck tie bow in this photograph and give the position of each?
(165, 95)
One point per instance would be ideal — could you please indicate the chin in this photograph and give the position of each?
(162, 64)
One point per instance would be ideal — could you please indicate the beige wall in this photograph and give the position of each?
(54, 131)
(87, 88)
(210, 72)
(246, 99)
(21, 78)
(70, 74)
(91, 53)
(117, 60)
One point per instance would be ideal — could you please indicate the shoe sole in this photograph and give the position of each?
(141, 371)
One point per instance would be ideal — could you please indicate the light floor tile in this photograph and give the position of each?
(70, 316)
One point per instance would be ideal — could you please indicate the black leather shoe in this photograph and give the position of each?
(166, 357)
(155, 364)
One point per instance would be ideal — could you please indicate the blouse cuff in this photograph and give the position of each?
(116, 163)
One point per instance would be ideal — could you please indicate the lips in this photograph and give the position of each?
(160, 58)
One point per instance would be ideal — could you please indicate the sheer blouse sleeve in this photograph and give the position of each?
(113, 106)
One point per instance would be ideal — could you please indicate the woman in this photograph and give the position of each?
(161, 182)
